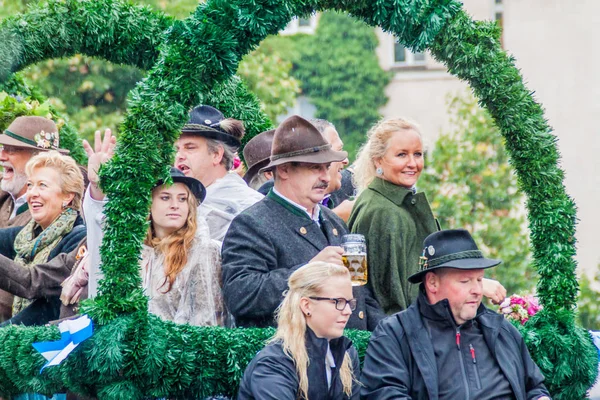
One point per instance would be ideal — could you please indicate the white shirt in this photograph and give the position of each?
(18, 203)
(225, 199)
(93, 213)
(316, 209)
(329, 364)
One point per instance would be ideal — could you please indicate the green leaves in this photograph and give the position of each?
(341, 76)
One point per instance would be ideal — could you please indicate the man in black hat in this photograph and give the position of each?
(287, 229)
(205, 151)
(447, 344)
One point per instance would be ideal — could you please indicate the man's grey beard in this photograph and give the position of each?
(15, 186)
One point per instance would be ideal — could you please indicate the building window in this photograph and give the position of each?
(499, 18)
(302, 107)
(301, 25)
(302, 22)
(403, 56)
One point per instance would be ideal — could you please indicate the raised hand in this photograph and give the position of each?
(102, 152)
(494, 290)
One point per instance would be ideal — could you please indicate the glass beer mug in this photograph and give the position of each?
(355, 258)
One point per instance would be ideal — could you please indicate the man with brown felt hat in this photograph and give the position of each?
(287, 229)
(25, 137)
(447, 344)
(257, 153)
(205, 151)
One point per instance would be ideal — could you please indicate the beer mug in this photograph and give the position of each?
(355, 258)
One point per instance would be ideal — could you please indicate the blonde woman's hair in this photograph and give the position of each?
(291, 323)
(175, 246)
(71, 179)
(378, 139)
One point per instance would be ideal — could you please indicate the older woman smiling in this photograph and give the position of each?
(54, 192)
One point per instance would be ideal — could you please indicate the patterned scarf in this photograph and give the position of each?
(32, 249)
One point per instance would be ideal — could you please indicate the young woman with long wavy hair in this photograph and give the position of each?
(308, 357)
(180, 263)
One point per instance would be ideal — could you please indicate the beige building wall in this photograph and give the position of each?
(554, 43)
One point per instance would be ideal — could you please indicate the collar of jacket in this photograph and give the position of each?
(317, 347)
(24, 207)
(396, 194)
(288, 206)
(441, 311)
(317, 352)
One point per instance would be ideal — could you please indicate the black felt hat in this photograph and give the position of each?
(195, 186)
(205, 121)
(451, 248)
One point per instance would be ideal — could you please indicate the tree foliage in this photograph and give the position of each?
(471, 185)
(93, 92)
(588, 308)
(340, 73)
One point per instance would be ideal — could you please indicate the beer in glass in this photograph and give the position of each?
(355, 258)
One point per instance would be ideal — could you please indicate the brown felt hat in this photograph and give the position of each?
(32, 132)
(297, 140)
(257, 153)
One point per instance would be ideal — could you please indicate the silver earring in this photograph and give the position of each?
(65, 204)
(379, 171)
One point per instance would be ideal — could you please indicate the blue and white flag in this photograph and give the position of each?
(72, 332)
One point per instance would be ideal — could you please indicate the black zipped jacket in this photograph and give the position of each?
(271, 375)
(400, 361)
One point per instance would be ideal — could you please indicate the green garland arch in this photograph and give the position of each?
(134, 354)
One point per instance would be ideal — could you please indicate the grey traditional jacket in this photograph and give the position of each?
(264, 245)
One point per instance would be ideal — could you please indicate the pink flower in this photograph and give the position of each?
(520, 308)
(236, 162)
(517, 300)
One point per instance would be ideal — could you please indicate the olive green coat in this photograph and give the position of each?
(395, 222)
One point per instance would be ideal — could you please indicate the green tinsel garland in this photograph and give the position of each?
(138, 355)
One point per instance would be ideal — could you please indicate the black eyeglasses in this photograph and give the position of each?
(340, 303)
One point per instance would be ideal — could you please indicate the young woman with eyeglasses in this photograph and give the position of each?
(308, 357)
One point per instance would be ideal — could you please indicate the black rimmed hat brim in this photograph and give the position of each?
(462, 264)
(195, 186)
(211, 133)
(319, 157)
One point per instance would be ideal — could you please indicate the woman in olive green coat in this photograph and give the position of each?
(394, 218)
